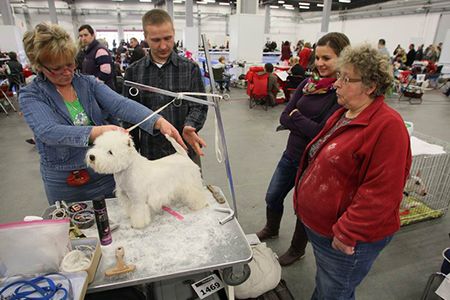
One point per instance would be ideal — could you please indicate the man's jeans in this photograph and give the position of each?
(338, 274)
(283, 180)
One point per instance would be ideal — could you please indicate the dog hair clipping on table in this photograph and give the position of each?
(120, 267)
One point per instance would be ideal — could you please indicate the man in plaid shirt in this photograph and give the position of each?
(163, 68)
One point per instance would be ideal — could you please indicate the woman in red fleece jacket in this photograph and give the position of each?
(351, 178)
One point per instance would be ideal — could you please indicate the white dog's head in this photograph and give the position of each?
(415, 185)
(113, 151)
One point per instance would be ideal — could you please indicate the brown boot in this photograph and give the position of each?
(298, 244)
(272, 227)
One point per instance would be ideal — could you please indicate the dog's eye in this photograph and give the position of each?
(417, 182)
(110, 152)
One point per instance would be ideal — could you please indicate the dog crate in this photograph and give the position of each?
(427, 191)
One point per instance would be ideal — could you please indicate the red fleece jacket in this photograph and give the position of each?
(353, 186)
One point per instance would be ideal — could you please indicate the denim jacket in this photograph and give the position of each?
(62, 145)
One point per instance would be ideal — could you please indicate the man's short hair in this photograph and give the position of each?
(134, 39)
(382, 42)
(156, 17)
(268, 67)
(87, 27)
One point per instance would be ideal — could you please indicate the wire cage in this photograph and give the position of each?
(427, 191)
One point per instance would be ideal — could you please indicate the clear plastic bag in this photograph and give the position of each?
(33, 247)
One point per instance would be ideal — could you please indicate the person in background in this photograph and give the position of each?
(225, 76)
(97, 59)
(296, 76)
(382, 47)
(411, 56)
(135, 50)
(165, 69)
(351, 176)
(419, 53)
(396, 50)
(306, 113)
(66, 112)
(272, 85)
(286, 52)
(14, 72)
(304, 55)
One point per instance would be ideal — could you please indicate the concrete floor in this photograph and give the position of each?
(400, 272)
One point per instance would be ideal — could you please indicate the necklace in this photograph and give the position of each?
(73, 95)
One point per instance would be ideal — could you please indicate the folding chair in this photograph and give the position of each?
(258, 90)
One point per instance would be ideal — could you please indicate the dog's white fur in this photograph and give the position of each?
(415, 185)
(143, 185)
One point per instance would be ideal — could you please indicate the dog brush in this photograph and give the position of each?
(120, 267)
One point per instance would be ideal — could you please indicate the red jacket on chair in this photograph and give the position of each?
(257, 82)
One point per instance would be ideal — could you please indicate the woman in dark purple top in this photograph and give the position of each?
(312, 104)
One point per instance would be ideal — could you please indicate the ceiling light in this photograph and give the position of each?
(304, 3)
(345, 1)
(303, 7)
(319, 5)
(280, 1)
(224, 3)
(117, 0)
(178, 1)
(145, 0)
(202, 2)
(274, 6)
(289, 7)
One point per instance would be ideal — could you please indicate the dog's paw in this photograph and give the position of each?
(140, 218)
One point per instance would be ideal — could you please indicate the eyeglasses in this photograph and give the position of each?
(60, 70)
(345, 79)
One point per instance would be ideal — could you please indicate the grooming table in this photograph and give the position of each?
(170, 248)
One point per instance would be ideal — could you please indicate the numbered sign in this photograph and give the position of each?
(207, 286)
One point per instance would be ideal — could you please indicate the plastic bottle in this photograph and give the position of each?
(101, 217)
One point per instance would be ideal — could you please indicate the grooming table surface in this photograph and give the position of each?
(169, 247)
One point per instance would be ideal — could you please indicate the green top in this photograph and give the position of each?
(77, 113)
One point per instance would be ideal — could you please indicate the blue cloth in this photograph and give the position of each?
(339, 274)
(283, 180)
(57, 189)
(61, 145)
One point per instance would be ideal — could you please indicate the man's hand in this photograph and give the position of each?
(340, 246)
(166, 128)
(192, 138)
(99, 130)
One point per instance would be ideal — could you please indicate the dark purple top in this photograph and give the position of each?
(313, 112)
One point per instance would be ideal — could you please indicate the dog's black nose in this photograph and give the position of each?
(92, 157)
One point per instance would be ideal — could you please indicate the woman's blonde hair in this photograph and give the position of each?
(371, 65)
(48, 41)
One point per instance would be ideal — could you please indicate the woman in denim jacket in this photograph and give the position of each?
(68, 111)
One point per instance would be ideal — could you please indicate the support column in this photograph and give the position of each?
(267, 19)
(169, 8)
(190, 32)
(121, 36)
(189, 13)
(247, 32)
(26, 15)
(52, 11)
(6, 10)
(247, 6)
(326, 15)
(75, 21)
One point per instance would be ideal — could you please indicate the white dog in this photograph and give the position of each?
(142, 185)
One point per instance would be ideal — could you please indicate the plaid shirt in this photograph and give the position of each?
(177, 75)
